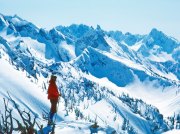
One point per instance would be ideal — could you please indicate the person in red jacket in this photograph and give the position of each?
(53, 96)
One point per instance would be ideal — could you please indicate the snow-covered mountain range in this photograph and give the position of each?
(127, 83)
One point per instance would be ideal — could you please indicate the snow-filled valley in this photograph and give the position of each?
(127, 84)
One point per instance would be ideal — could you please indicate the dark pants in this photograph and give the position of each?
(53, 105)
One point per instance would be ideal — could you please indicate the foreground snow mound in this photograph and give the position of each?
(174, 131)
(78, 128)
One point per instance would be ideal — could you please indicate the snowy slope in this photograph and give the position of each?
(26, 91)
(21, 88)
(172, 132)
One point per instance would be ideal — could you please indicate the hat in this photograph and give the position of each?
(53, 77)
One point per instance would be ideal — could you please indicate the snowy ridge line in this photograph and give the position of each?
(87, 62)
(147, 69)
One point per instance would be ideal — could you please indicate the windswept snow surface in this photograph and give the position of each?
(165, 99)
(172, 132)
(22, 89)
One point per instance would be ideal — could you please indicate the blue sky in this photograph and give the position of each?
(135, 16)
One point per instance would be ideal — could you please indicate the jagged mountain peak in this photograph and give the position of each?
(127, 38)
(18, 26)
(74, 31)
(94, 38)
(155, 32)
(159, 35)
(161, 42)
(98, 27)
(16, 20)
(3, 22)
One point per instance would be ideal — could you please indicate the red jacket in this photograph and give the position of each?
(53, 90)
